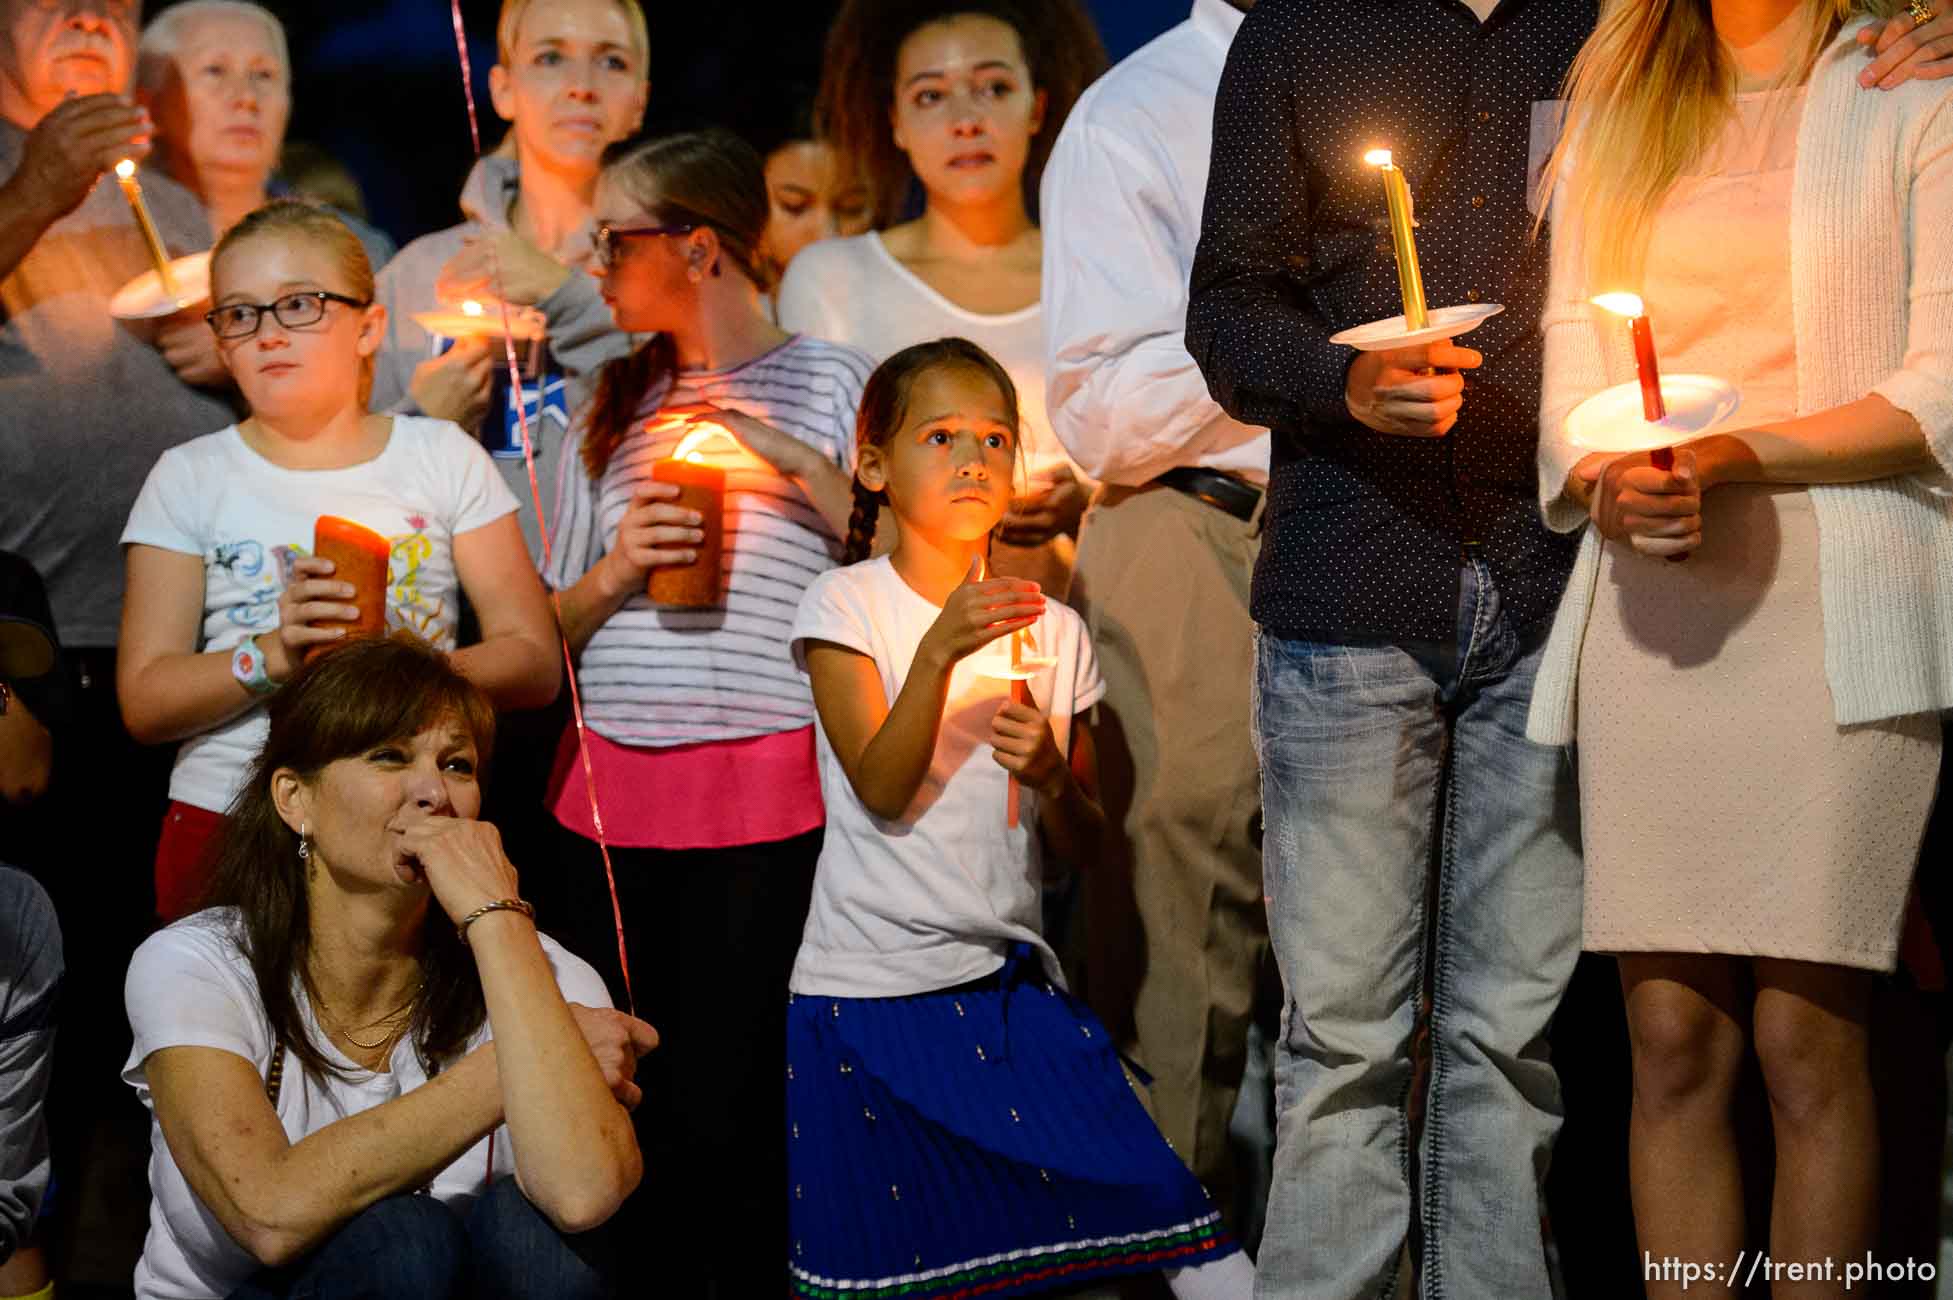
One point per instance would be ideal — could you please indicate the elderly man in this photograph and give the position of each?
(86, 404)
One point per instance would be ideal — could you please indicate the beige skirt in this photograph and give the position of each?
(1724, 809)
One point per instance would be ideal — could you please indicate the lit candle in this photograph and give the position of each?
(1396, 193)
(1021, 668)
(359, 556)
(701, 487)
(1653, 409)
(125, 176)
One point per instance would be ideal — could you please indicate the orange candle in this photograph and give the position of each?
(701, 487)
(359, 556)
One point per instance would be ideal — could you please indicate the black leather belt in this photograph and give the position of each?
(1224, 492)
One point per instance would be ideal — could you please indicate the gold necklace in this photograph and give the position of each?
(333, 1023)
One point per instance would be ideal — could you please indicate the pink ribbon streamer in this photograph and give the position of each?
(542, 526)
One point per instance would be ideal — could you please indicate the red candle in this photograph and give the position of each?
(359, 556)
(1653, 409)
(1020, 693)
(701, 487)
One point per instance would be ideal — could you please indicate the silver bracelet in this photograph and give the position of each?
(499, 905)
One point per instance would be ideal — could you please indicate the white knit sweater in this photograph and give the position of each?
(1872, 307)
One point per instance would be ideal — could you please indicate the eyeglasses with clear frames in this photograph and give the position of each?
(240, 320)
(606, 238)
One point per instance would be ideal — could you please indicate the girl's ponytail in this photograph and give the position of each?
(622, 386)
(861, 524)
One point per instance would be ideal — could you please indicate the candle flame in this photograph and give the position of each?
(1621, 304)
(126, 168)
(1377, 157)
(471, 308)
(688, 446)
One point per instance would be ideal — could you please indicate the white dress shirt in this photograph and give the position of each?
(1120, 206)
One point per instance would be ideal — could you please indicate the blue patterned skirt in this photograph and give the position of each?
(978, 1141)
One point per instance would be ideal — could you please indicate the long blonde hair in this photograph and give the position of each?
(1646, 98)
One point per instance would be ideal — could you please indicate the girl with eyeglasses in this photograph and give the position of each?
(700, 731)
(222, 587)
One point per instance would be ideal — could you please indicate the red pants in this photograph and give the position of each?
(183, 858)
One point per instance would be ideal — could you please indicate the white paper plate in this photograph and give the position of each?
(1610, 420)
(143, 297)
(1445, 323)
(524, 323)
(1023, 671)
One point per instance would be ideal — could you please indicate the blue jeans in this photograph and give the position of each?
(1386, 875)
(415, 1248)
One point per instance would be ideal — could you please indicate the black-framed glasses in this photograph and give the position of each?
(240, 320)
(606, 238)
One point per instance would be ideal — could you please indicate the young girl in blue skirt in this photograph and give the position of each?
(958, 1124)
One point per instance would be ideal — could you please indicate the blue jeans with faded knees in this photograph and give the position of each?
(1387, 875)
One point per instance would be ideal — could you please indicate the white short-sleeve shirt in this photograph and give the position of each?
(190, 985)
(247, 520)
(937, 896)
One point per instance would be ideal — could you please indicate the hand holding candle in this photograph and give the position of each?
(1021, 739)
(1016, 744)
(125, 175)
(701, 487)
(359, 556)
(1022, 666)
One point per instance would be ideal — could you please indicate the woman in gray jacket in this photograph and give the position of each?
(570, 81)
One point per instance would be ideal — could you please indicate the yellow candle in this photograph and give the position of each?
(1397, 195)
(125, 175)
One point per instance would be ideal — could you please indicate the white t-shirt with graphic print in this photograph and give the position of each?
(248, 519)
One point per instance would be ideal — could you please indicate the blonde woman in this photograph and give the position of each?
(1758, 742)
(570, 79)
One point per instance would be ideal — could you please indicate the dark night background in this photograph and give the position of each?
(377, 84)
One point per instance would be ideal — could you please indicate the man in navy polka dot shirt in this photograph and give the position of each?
(1417, 844)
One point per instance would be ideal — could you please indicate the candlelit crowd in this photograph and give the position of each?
(968, 685)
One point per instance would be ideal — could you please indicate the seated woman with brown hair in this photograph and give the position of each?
(367, 1069)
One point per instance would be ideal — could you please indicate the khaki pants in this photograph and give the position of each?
(1174, 925)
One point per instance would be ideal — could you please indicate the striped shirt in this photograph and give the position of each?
(655, 677)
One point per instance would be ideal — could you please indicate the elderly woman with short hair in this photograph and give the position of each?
(217, 77)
